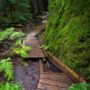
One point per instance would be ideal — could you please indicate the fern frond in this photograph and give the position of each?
(10, 86)
(7, 67)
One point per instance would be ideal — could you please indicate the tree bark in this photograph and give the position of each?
(38, 6)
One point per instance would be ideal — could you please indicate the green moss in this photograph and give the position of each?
(68, 33)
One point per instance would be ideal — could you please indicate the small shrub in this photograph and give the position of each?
(17, 35)
(7, 68)
(10, 86)
(80, 86)
(10, 34)
(21, 50)
(46, 47)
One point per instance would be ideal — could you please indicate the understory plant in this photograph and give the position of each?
(46, 47)
(10, 34)
(14, 39)
(20, 49)
(6, 68)
(80, 86)
(10, 86)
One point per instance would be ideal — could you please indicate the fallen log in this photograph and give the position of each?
(73, 75)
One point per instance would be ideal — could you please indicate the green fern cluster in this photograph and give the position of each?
(6, 34)
(68, 33)
(80, 86)
(7, 68)
(10, 34)
(21, 50)
(10, 86)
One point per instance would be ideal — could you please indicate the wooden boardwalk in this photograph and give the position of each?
(47, 80)
(31, 40)
(53, 81)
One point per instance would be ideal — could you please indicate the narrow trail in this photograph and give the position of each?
(40, 74)
(29, 75)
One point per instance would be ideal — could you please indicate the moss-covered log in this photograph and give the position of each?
(68, 33)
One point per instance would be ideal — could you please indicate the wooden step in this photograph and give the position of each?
(36, 51)
(56, 77)
(53, 83)
(49, 87)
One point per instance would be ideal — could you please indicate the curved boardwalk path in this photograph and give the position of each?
(48, 80)
(53, 80)
(32, 41)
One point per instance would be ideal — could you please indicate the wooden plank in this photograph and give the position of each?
(47, 87)
(54, 75)
(56, 78)
(65, 69)
(36, 51)
(53, 83)
(41, 67)
(62, 88)
(34, 33)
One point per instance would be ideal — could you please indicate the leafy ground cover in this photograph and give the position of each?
(11, 47)
(80, 86)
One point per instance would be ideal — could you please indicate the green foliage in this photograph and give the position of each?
(10, 86)
(45, 47)
(80, 86)
(14, 11)
(68, 33)
(6, 34)
(7, 68)
(10, 34)
(21, 50)
(17, 35)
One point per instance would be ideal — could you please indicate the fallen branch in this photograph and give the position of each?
(6, 53)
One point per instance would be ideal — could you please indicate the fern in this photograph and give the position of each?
(68, 33)
(80, 86)
(18, 43)
(17, 35)
(10, 86)
(20, 49)
(7, 68)
(46, 47)
(6, 34)
(10, 34)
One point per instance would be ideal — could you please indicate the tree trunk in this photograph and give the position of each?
(38, 6)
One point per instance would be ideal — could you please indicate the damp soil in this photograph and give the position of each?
(28, 76)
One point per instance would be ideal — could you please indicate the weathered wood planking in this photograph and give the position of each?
(32, 41)
(53, 81)
(57, 77)
(49, 87)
